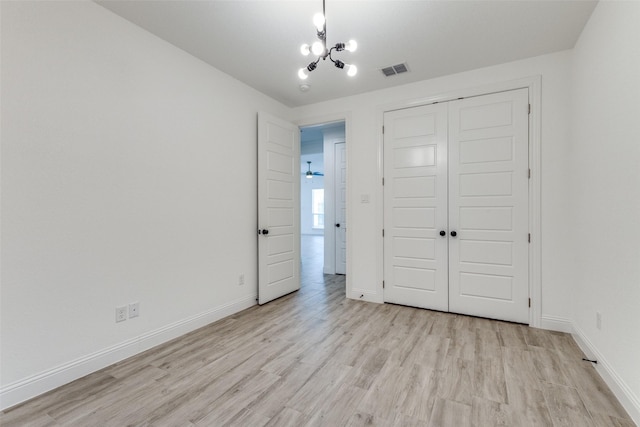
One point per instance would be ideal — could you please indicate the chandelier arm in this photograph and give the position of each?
(329, 55)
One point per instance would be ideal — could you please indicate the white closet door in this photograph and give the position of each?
(488, 206)
(415, 207)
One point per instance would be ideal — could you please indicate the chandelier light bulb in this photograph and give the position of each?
(305, 49)
(302, 73)
(318, 21)
(351, 45)
(352, 70)
(317, 48)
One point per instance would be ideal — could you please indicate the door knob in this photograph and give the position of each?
(338, 225)
(265, 231)
(443, 233)
(454, 234)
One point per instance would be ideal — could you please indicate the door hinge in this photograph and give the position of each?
(529, 174)
(383, 232)
(382, 180)
(383, 284)
(529, 112)
(529, 302)
(383, 129)
(529, 238)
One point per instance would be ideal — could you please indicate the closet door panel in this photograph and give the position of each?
(488, 206)
(415, 207)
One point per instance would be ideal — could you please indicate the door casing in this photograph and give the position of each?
(345, 117)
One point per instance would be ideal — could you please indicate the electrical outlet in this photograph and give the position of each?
(121, 314)
(598, 320)
(241, 279)
(134, 309)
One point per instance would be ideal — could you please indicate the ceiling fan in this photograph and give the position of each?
(310, 174)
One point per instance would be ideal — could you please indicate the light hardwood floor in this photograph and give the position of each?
(316, 358)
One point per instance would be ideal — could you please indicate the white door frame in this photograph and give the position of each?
(328, 181)
(533, 84)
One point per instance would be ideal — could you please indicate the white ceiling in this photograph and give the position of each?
(258, 41)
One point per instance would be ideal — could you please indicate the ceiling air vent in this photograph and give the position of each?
(395, 69)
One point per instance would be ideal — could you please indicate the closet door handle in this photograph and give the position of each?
(443, 233)
(454, 234)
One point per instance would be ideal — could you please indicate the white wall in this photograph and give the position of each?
(128, 174)
(604, 171)
(364, 112)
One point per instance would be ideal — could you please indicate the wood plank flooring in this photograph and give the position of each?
(314, 358)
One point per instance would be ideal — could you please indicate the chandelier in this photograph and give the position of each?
(319, 48)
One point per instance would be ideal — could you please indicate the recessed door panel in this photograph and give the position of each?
(418, 218)
(486, 252)
(486, 286)
(414, 157)
(282, 244)
(486, 218)
(414, 124)
(486, 150)
(486, 184)
(484, 115)
(281, 190)
(415, 187)
(279, 163)
(421, 279)
(280, 271)
(279, 217)
(414, 247)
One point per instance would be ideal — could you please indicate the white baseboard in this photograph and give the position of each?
(554, 323)
(625, 395)
(30, 387)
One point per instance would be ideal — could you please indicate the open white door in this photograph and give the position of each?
(341, 207)
(415, 207)
(278, 208)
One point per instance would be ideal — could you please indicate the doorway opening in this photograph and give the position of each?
(322, 201)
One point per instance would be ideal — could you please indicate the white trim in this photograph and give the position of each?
(620, 389)
(554, 323)
(534, 85)
(535, 201)
(28, 388)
